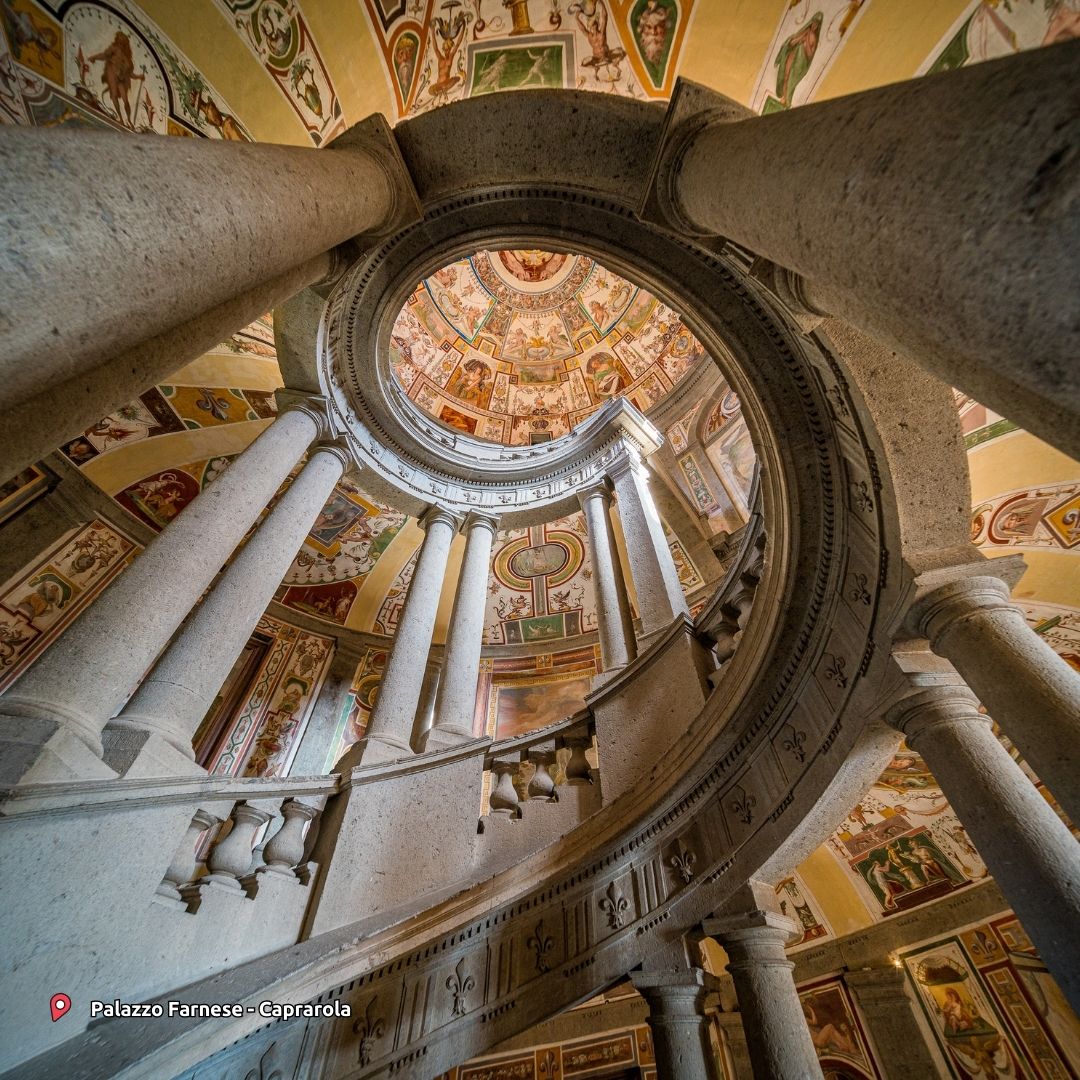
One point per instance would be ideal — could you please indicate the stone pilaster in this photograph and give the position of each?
(737, 1065)
(1029, 850)
(615, 625)
(1028, 689)
(677, 1018)
(656, 581)
(312, 755)
(777, 1036)
(882, 997)
(455, 701)
(153, 734)
(53, 716)
(391, 724)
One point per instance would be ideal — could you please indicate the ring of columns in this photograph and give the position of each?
(746, 778)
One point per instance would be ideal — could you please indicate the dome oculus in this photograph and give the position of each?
(520, 346)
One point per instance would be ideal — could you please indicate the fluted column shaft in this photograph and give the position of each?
(1029, 850)
(81, 681)
(656, 581)
(1028, 689)
(776, 1033)
(392, 718)
(116, 262)
(679, 1027)
(455, 701)
(174, 697)
(614, 623)
(980, 191)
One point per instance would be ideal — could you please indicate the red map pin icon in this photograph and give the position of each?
(59, 1005)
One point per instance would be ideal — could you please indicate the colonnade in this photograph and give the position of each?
(57, 721)
(391, 731)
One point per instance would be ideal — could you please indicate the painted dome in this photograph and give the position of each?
(520, 346)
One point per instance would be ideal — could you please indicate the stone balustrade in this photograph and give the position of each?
(529, 768)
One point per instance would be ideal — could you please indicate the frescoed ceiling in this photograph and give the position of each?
(301, 71)
(519, 347)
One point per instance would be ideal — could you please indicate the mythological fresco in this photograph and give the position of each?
(902, 845)
(836, 1031)
(993, 1008)
(519, 347)
(541, 584)
(256, 731)
(989, 29)
(440, 51)
(796, 902)
(39, 602)
(1046, 517)
(104, 65)
(807, 40)
(278, 35)
(156, 499)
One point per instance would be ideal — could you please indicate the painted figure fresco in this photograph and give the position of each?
(105, 64)
(835, 1031)
(989, 29)
(437, 51)
(278, 35)
(805, 44)
(521, 346)
(40, 601)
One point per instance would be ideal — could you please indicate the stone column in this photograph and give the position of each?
(1029, 850)
(35, 427)
(776, 1032)
(51, 719)
(979, 192)
(118, 266)
(677, 1018)
(660, 596)
(455, 701)
(1028, 689)
(153, 734)
(616, 627)
(883, 1000)
(391, 723)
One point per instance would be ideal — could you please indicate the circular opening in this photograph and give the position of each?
(518, 346)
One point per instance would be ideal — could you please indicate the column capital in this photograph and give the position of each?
(875, 983)
(315, 406)
(338, 447)
(932, 704)
(938, 611)
(438, 513)
(688, 984)
(480, 520)
(945, 596)
(766, 928)
(600, 489)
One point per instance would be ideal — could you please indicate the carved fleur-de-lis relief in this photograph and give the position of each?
(794, 742)
(613, 904)
(741, 803)
(835, 670)
(682, 861)
(549, 1064)
(460, 983)
(541, 944)
(859, 592)
(861, 497)
(263, 1070)
(369, 1027)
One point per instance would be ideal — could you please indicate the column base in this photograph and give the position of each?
(34, 750)
(136, 753)
(443, 738)
(373, 750)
